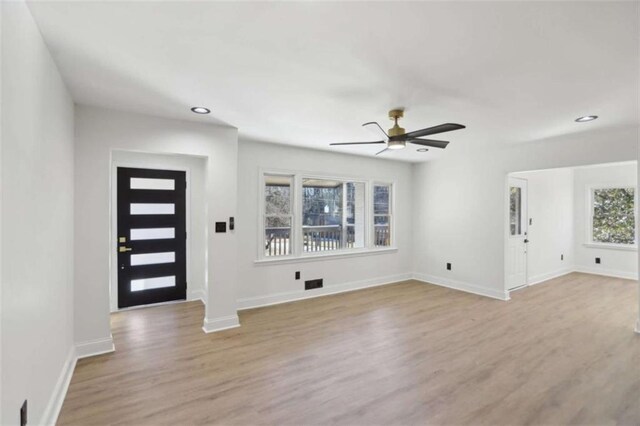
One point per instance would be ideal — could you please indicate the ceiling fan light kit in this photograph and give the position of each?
(397, 138)
(396, 144)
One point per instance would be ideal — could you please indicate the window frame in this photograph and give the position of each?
(392, 209)
(303, 177)
(590, 196)
(297, 251)
(262, 215)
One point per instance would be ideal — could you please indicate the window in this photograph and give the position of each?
(515, 211)
(382, 215)
(278, 219)
(332, 215)
(613, 218)
(305, 215)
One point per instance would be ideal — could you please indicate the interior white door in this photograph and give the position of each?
(517, 240)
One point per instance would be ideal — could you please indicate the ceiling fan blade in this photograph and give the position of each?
(378, 153)
(448, 127)
(356, 143)
(429, 142)
(375, 127)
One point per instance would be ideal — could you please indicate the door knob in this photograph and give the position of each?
(123, 249)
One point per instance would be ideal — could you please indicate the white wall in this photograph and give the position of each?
(1, 126)
(637, 327)
(267, 283)
(195, 168)
(99, 132)
(551, 233)
(461, 202)
(613, 262)
(37, 222)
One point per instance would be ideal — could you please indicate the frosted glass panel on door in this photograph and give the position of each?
(515, 211)
(153, 258)
(153, 233)
(153, 208)
(150, 283)
(145, 183)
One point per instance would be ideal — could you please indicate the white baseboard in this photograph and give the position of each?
(219, 324)
(607, 272)
(95, 347)
(291, 296)
(52, 410)
(197, 295)
(549, 276)
(80, 350)
(461, 286)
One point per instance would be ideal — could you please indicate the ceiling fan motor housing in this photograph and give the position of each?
(395, 115)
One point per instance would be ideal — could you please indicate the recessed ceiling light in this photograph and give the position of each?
(201, 110)
(422, 149)
(586, 118)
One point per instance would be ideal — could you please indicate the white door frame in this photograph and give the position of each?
(507, 233)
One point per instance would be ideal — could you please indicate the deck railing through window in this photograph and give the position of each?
(320, 238)
(382, 235)
(328, 237)
(277, 241)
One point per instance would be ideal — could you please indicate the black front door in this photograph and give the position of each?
(152, 252)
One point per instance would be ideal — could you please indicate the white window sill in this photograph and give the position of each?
(606, 246)
(325, 256)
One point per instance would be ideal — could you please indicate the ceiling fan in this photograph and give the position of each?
(397, 138)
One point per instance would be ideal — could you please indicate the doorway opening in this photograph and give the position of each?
(573, 219)
(158, 229)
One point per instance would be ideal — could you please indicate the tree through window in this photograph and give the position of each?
(613, 216)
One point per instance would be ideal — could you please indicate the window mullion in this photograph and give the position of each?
(298, 238)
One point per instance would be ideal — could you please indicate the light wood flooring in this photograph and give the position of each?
(562, 352)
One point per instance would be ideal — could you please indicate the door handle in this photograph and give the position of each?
(123, 249)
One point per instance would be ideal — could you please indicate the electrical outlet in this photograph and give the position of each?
(297, 275)
(448, 266)
(23, 414)
(598, 260)
(312, 284)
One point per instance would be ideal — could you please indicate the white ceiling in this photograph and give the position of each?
(311, 73)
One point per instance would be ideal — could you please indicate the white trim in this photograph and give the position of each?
(590, 189)
(540, 278)
(95, 347)
(637, 329)
(607, 272)
(326, 255)
(296, 212)
(370, 211)
(461, 286)
(198, 294)
(523, 184)
(221, 323)
(113, 211)
(52, 410)
(609, 246)
(291, 296)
